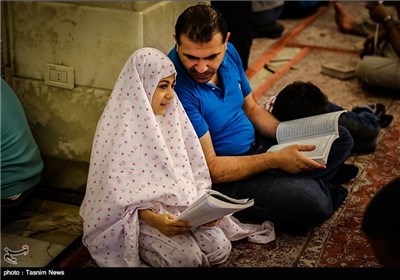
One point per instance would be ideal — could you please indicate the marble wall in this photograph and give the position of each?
(95, 39)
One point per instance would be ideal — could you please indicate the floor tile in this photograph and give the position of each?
(44, 230)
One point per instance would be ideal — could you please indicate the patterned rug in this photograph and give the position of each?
(338, 242)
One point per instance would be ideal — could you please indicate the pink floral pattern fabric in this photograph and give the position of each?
(140, 160)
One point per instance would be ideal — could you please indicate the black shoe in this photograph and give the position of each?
(338, 194)
(345, 174)
(385, 120)
(11, 210)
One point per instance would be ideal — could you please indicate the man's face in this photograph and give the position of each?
(202, 61)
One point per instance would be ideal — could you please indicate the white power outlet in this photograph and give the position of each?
(59, 76)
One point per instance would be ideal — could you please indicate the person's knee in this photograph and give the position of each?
(320, 208)
(195, 257)
(189, 257)
(221, 251)
(311, 209)
(310, 201)
(370, 71)
(316, 201)
(361, 71)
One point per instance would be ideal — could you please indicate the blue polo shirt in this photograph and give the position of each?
(218, 110)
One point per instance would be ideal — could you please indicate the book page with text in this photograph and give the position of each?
(311, 126)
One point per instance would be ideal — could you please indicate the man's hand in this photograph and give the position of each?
(369, 47)
(292, 160)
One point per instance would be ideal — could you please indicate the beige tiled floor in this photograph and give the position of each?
(44, 230)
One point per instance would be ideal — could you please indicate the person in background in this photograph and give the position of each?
(264, 19)
(380, 224)
(380, 64)
(301, 9)
(303, 99)
(146, 167)
(249, 19)
(289, 189)
(21, 161)
(241, 31)
(349, 25)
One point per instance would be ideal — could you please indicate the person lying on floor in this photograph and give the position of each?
(146, 167)
(303, 99)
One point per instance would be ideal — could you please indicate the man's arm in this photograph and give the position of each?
(379, 14)
(393, 35)
(234, 168)
(264, 122)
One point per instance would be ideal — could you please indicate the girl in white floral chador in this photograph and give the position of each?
(146, 167)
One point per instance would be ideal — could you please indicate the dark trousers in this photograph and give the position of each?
(11, 210)
(293, 202)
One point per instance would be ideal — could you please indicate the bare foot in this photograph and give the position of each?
(343, 20)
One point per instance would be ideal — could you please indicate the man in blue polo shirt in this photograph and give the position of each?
(289, 189)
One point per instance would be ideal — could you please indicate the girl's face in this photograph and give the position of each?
(163, 95)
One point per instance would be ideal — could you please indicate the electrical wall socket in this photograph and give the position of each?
(59, 76)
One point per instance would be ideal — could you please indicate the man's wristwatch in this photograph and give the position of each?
(387, 18)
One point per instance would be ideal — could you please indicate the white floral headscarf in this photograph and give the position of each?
(139, 161)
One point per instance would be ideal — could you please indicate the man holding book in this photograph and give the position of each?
(288, 188)
(304, 99)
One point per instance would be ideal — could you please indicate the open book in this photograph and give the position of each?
(211, 206)
(320, 130)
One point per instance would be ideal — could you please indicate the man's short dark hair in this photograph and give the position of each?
(200, 23)
(299, 100)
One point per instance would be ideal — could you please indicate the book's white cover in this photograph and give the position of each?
(211, 206)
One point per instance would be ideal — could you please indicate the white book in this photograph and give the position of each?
(337, 70)
(320, 130)
(211, 206)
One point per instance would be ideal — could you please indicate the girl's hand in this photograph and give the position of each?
(165, 223)
(168, 225)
